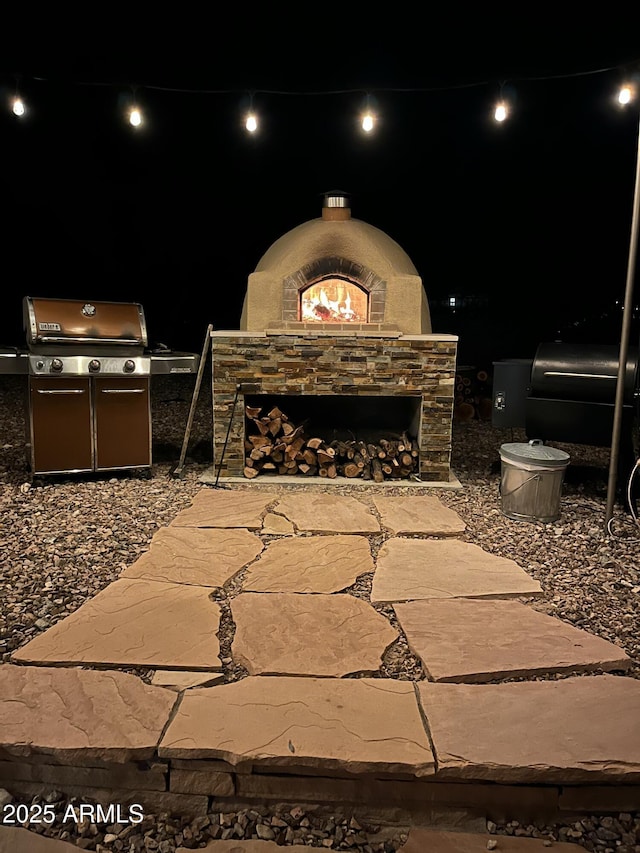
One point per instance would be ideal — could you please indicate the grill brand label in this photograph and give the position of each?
(49, 327)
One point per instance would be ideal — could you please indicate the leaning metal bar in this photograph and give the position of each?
(624, 343)
(226, 438)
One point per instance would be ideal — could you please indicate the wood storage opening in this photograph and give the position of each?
(332, 436)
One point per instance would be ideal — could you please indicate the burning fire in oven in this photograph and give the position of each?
(334, 301)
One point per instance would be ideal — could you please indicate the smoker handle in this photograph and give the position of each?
(579, 375)
(62, 391)
(122, 391)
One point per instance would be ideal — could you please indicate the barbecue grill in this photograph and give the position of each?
(88, 397)
(567, 394)
(573, 390)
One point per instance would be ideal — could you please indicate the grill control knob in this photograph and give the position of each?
(129, 366)
(56, 365)
(94, 365)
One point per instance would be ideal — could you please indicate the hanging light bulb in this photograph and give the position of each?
(504, 103)
(626, 94)
(135, 117)
(17, 106)
(368, 117)
(368, 122)
(501, 111)
(133, 110)
(250, 115)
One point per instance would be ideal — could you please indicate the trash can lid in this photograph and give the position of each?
(534, 452)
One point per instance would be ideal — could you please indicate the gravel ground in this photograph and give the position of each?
(63, 539)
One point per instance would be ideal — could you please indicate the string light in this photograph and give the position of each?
(251, 119)
(134, 113)
(626, 94)
(368, 118)
(367, 122)
(18, 107)
(501, 110)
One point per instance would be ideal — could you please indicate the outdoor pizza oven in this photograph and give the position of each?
(335, 344)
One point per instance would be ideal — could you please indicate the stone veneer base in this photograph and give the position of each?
(192, 788)
(358, 364)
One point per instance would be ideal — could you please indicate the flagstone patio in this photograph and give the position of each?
(315, 717)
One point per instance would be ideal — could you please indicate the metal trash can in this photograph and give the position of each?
(531, 482)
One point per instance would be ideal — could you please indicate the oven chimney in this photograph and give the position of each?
(335, 207)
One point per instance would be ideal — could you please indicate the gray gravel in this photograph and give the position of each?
(63, 539)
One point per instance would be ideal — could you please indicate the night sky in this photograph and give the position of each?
(529, 220)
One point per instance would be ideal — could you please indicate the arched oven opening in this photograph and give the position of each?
(333, 299)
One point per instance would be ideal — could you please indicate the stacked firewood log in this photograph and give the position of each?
(274, 445)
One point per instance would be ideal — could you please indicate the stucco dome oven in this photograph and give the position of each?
(336, 270)
(335, 350)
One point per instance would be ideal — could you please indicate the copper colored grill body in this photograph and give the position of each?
(88, 400)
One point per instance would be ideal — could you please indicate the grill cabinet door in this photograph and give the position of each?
(60, 424)
(122, 423)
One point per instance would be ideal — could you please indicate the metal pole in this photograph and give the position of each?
(624, 342)
(194, 401)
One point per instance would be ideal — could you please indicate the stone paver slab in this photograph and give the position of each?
(422, 840)
(16, 840)
(225, 508)
(135, 623)
(473, 641)
(418, 514)
(76, 715)
(277, 525)
(192, 555)
(179, 679)
(577, 729)
(324, 513)
(356, 724)
(298, 634)
(410, 569)
(310, 564)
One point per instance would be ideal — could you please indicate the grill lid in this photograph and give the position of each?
(72, 321)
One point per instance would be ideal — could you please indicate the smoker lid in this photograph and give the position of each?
(74, 321)
(535, 452)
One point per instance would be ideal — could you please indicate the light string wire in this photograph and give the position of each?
(348, 91)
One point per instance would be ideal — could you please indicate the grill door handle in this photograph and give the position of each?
(62, 391)
(122, 391)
